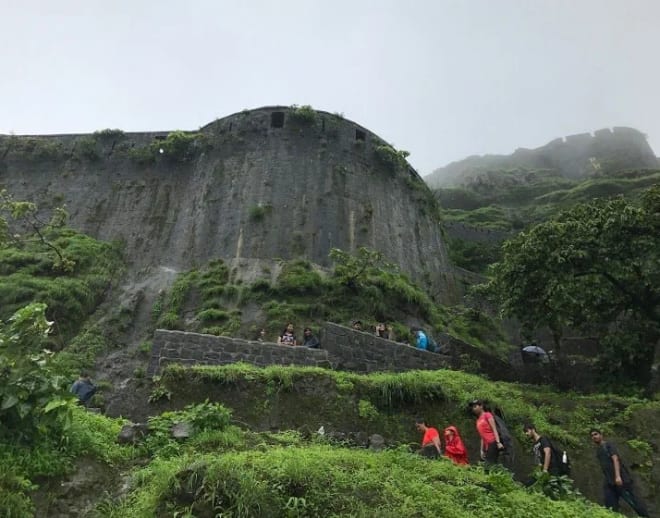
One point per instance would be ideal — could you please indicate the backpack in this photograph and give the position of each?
(503, 431)
(561, 461)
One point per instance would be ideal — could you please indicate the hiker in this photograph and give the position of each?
(382, 331)
(618, 482)
(421, 340)
(431, 447)
(546, 455)
(491, 442)
(309, 340)
(454, 447)
(262, 335)
(357, 325)
(83, 388)
(287, 337)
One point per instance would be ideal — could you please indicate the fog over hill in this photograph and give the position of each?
(574, 156)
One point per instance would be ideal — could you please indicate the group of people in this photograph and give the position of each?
(288, 337)
(420, 339)
(432, 445)
(496, 448)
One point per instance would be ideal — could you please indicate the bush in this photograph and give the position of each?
(303, 114)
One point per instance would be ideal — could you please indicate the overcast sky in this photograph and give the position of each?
(441, 79)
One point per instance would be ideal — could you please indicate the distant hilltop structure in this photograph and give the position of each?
(575, 156)
(254, 188)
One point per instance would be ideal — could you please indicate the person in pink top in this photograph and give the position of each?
(491, 443)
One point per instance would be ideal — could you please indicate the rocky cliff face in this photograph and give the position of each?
(249, 188)
(575, 156)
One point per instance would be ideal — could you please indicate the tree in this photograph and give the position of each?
(32, 396)
(593, 267)
(353, 269)
(26, 214)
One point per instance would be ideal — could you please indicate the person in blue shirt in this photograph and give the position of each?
(422, 341)
(83, 388)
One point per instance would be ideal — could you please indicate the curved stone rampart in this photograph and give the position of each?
(263, 184)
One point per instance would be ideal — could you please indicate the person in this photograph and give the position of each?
(262, 335)
(430, 441)
(287, 337)
(618, 482)
(422, 341)
(382, 331)
(546, 456)
(454, 447)
(83, 388)
(491, 442)
(357, 325)
(309, 340)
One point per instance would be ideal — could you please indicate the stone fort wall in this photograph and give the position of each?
(342, 348)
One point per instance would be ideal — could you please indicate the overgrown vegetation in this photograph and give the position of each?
(302, 114)
(594, 268)
(505, 202)
(178, 147)
(43, 261)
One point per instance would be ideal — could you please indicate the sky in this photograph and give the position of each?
(442, 79)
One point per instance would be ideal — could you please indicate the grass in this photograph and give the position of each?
(29, 274)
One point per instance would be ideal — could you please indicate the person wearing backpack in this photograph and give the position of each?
(491, 442)
(547, 456)
(618, 481)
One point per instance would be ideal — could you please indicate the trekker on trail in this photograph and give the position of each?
(545, 454)
(454, 447)
(421, 340)
(491, 443)
(287, 337)
(83, 388)
(618, 482)
(431, 447)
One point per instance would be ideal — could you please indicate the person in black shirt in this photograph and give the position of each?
(618, 482)
(309, 340)
(543, 451)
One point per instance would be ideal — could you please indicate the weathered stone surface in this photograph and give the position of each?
(177, 214)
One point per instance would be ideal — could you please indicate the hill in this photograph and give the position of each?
(573, 157)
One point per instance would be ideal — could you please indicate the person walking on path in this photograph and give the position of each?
(454, 447)
(491, 442)
(430, 441)
(618, 482)
(544, 453)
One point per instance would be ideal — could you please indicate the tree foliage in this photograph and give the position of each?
(594, 267)
(353, 269)
(32, 399)
(18, 217)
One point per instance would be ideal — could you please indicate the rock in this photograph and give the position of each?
(376, 442)
(181, 430)
(132, 433)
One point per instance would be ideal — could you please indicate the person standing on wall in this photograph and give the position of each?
(618, 482)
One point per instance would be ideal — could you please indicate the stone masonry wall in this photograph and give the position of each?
(363, 352)
(342, 348)
(197, 349)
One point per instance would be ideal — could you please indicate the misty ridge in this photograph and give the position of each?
(572, 157)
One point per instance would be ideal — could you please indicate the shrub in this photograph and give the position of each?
(259, 212)
(303, 114)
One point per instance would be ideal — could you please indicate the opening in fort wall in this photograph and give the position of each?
(277, 120)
